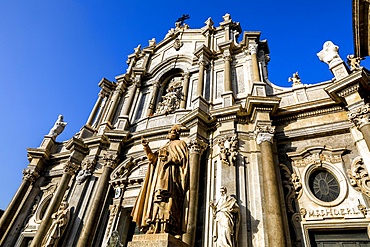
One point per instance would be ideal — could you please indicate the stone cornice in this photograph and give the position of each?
(307, 114)
(338, 89)
(317, 130)
(258, 103)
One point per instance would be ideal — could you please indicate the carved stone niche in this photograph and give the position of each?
(320, 171)
(171, 96)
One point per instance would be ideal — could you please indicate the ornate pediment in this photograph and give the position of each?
(316, 155)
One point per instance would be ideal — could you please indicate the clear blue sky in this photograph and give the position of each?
(54, 53)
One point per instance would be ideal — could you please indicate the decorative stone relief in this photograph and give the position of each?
(295, 79)
(317, 158)
(172, 98)
(88, 167)
(113, 210)
(264, 133)
(360, 116)
(57, 128)
(122, 170)
(296, 221)
(228, 149)
(30, 175)
(59, 224)
(354, 62)
(359, 176)
(292, 184)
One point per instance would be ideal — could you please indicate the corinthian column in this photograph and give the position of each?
(70, 169)
(273, 215)
(91, 223)
(196, 148)
(29, 177)
(255, 68)
(360, 118)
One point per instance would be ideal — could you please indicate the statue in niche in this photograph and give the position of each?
(228, 149)
(58, 127)
(60, 220)
(226, 213)
(171, 100)
(162, 203)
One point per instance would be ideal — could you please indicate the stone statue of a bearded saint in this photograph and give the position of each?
(162, 204)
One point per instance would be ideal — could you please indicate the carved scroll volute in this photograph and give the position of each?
(359, 176)
(293, 187)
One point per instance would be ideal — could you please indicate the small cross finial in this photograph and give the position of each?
(182, 19)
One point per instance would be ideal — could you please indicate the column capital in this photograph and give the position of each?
(186, 75)
(202, 62)
(227, 57)
(110, 160)
(359, 116)
(264, 133)
(197, 145)
(30, 175)
(71, 168)
(252, 48)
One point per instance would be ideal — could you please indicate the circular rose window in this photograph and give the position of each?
(324, 186)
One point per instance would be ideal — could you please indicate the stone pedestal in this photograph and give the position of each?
(156, 240)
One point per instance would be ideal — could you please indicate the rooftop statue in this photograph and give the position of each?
(58, 127)
(162, 204)
(295, 79)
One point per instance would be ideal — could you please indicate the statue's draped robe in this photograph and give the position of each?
(227, 217)
(162, 203)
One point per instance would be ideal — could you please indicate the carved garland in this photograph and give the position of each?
(359, 176)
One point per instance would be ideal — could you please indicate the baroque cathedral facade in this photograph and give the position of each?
(292, 162)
